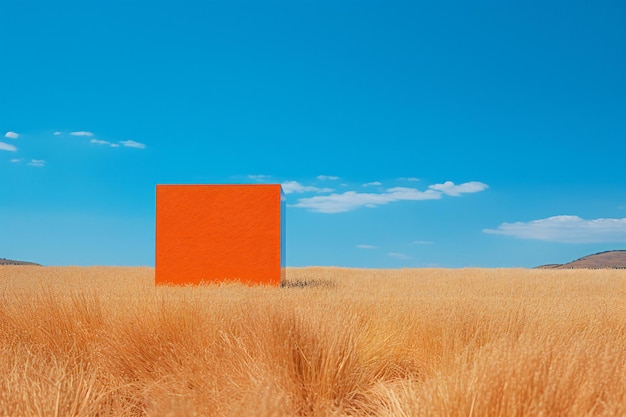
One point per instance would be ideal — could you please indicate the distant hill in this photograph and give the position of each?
(4, 261)
(613, 259)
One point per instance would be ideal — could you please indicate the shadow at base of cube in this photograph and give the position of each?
(308, 283)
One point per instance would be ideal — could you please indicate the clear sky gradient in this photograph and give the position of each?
(406, 133)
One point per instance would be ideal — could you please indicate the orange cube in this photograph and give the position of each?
(215, 233)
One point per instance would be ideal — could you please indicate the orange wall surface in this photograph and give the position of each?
(215, 233)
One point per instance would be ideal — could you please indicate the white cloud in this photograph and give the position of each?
(422, 242)
(338, 203)
(106, 142)
(11, 135)
(327, 177)
(260, 177)
(413, 179)
(351, 200)
(373, 183)
(37, 163)
(16, 160)
(451, 189)
(399, 255)
(412, 194)
(81, 133)
(366, 246)
(568, 229)
(132, 144)
(57, 133)
(7, 147)
(290, 187)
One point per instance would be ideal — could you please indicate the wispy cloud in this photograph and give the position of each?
(399, 255)
(260, 177)
(567, 229)
(422, 242)
(290, 187)
(351, 200)
(366, 246)
(37, 163)
(412, 179)
(81, 133)
(127, 143)
(132, 144)
(327, 177)
(411, 194)
(452, 189)
(16, 160)
(7, 147)
(11, 135)
(373, 184)
(339, 203)
(57, 133)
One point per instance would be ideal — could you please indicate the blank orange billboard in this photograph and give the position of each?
(216, 233)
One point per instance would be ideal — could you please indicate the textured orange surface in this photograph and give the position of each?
(214, 233)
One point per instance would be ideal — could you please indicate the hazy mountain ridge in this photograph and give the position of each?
(4, 261)
(612, 259)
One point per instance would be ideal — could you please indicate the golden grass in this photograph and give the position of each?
(335, 342)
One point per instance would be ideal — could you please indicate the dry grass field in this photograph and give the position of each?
(335, 342)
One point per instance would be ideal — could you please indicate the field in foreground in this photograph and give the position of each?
(433, 342)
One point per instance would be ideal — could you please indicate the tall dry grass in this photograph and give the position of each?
(334, 342)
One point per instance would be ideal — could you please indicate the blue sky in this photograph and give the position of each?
(406, 133)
